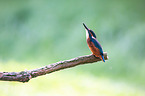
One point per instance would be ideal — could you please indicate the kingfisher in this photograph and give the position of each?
(93, 43)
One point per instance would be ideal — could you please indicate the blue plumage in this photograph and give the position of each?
(103, 58)
(97, 45)
(94, 35)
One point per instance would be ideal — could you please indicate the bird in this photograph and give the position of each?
(93, 43)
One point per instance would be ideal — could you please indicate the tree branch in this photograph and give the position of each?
(25, 76)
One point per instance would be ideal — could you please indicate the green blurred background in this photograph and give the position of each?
(37, 33)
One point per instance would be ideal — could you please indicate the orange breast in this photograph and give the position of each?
(93, 49)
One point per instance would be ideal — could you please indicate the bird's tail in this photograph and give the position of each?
(103, 58)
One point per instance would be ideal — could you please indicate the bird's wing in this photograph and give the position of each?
(97, 45)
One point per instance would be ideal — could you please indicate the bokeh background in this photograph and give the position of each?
(37, 33)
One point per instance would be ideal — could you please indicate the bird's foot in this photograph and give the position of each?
(95, 56)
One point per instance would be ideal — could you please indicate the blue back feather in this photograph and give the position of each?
(97, 45)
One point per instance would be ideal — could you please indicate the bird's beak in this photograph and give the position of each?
(85, 27)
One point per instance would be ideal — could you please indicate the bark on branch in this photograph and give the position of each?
(25, 76)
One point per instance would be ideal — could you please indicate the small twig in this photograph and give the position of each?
(25, 76)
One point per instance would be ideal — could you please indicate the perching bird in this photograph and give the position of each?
(93, 43)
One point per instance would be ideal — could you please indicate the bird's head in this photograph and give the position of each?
(89, 31)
